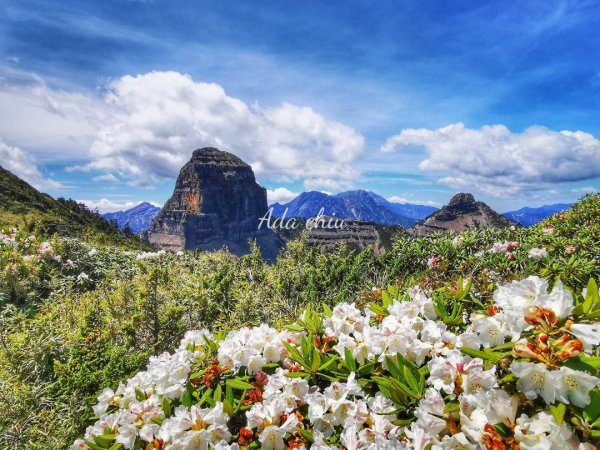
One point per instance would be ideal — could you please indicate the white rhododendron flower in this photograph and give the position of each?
(535, 380)
(538, 254)
(542, 432)
(459, 372)
(574, 386)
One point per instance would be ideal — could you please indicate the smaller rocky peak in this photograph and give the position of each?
(461, 213)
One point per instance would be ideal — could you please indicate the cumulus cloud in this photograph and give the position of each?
(280, 195)
(501, 163)
(158, 118)
(105, 205)
(402, 200)
(24, 166)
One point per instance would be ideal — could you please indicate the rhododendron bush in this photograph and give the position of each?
(437, 369)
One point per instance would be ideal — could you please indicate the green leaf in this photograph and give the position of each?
(558, 411)
(367, 369)
(485, 355)
(592, 298)
(316, 362)
(503, 429)
(236, 383)
(591, 413)
(297, 374)
(411, 380)
(139, 395)
(240, 403)
(186, 400)
(295, 354)
(167, 407)
(202, 399)
(228, 408)
(578, 363)
(452, 407)
(105, 440)
(307, 435)
(93, 445)
(229, 394)
(350, 361)
(218, 394)
(386, 299)
(332, 360)
(294, 327)
(593, 361)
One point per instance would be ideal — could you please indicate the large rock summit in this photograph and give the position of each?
(461, 213)
(216, 202)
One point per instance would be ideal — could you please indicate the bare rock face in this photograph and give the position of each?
(216, 202)
(356, 235)
(461, 213)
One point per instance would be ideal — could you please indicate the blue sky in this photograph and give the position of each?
(413, 100)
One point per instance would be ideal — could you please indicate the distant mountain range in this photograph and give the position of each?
(138, 218)
(358, 205)
(530, 216)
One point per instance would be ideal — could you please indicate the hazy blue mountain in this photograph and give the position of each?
(356, 205)
(138, 218)
(530, 216)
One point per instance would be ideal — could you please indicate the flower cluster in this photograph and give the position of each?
(150, 255)
(425, 370)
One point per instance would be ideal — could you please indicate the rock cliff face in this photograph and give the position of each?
(216, 202)
(356, 235)
(461, 213)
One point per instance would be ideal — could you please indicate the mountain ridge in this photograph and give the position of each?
(138, 218)
(529, 216)
(358, 205)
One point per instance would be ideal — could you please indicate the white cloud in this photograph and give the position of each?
(105, 205)
(327, 184)
(585, 190)
(158, 118)
(495, 161)
(402, 200)
(24, 166)
(55, 124)
(106, 177)
(280, 195)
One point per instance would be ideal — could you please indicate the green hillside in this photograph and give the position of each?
(23, 206)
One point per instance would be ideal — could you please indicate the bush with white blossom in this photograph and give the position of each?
(423, 369)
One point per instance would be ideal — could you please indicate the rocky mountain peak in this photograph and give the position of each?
(216, 202)
(462, 199)
(214, 156)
